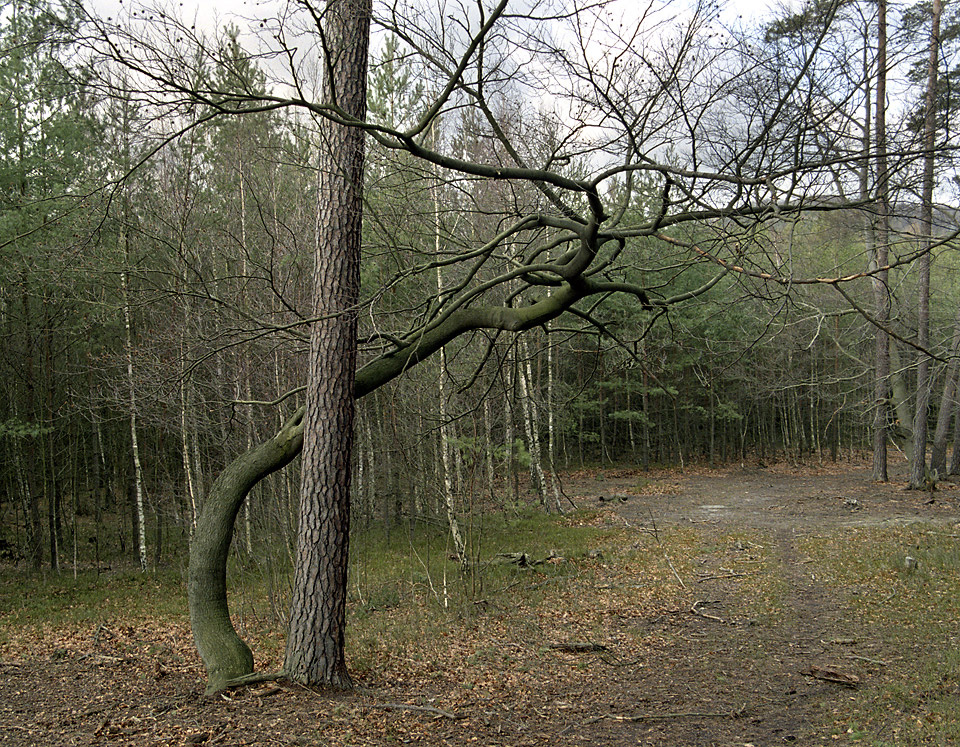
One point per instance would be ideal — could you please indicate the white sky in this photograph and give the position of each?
(209, 12)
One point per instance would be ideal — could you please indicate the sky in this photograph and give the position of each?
(208, 12)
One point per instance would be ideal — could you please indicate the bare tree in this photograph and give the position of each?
(726, 141)
(918, 463)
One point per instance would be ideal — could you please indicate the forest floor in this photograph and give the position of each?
(737, 606)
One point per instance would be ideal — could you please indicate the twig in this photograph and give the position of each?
(577, 648)
(881, 662)
(831, 673)
(676, 575)
(424, 709)
(656, 536)
(726, 575)
(667, 716)
(606, 660)
(698, 613)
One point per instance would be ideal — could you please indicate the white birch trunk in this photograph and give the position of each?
(488, 446)
(445, 427)
(551, 428)
(132, 402)
(530, 423)
(185, 452)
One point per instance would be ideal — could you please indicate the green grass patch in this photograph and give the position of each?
(60, 600)
(407, 588)
(902, 587)
(413, 611)
(418, 562)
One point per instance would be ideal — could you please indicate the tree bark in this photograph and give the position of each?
(918, 465)
(551, 430)
(938, 453)
(315, 642)
(446, 427)
(140, 528)
(531, 424)
(224, 654)
(955, 456)
(882, 238)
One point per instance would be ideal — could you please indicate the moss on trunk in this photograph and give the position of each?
(224, 654)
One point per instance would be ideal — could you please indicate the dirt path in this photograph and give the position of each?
(758, 676)
(781, 498)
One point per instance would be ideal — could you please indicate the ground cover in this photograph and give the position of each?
(757, 605)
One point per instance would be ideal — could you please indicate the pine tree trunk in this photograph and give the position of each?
(28, 446)
(918, 465)
(882, 238)
(315, 643)
(938, 453)
(901, 401)
(955, 456)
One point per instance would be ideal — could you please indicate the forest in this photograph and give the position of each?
(460, 252)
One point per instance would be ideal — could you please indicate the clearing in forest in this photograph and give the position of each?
(738, 606)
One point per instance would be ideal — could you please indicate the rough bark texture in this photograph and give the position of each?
(224, 654)
(948, 405)
(315, 642)
(955, 456)
(918, 464)
(882, 238)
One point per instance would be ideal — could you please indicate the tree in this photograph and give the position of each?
(562, 231)
(881, 238)
(315, 642)
(918, 464)
(48, 133)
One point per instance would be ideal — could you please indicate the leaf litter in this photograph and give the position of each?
(615, 651)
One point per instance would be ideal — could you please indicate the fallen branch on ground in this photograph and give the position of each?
(577, 648)
(831, 673)
(696, 611)
(422, 709)
(881, 662)
(725, 575)
(524, 560)
(255, 677)
(669, 716)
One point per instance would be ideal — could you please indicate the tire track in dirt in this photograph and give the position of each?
(721, 659)
(724, 655)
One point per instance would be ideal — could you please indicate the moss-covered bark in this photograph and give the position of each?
(224, 654)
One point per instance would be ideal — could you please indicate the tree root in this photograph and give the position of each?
(423, 709)
(254, 678)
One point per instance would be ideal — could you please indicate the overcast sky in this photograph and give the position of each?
(208, 12)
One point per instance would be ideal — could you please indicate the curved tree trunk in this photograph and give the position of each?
(224, 654)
